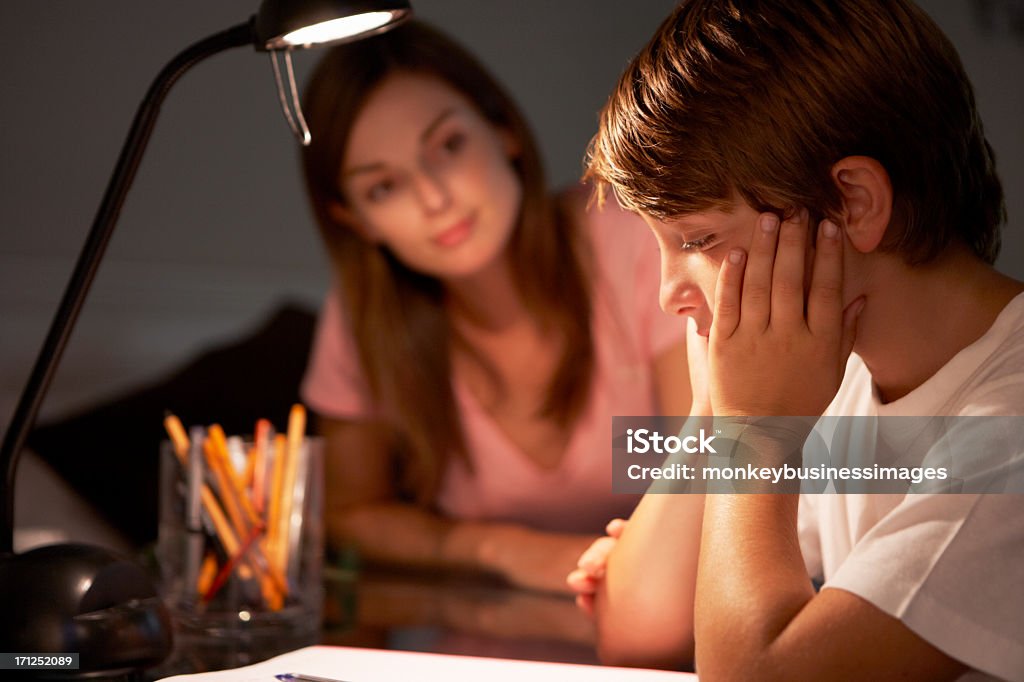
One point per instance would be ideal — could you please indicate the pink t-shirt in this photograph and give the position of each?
(630, 331)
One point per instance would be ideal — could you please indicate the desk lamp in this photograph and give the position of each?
(78, 598)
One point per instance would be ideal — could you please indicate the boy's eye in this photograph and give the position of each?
(698, 244)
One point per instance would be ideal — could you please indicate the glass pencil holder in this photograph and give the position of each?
(240, 545)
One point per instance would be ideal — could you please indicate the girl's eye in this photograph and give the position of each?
(454, 142)
(698, 244)
(379, 191)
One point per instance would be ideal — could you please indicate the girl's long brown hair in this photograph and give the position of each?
(396, 315)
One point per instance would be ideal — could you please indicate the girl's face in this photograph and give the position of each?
(426, 175)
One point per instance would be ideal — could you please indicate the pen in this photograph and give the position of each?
(299, 677)
(194, 508)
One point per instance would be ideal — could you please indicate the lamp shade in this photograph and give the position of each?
(281, 24)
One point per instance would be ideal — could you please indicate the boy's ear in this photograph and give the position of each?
(343, 215)
(867, 200)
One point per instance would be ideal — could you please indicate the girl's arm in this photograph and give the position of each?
(363, 510)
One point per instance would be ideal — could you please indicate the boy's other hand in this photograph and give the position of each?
(590, 569)
(774, 349)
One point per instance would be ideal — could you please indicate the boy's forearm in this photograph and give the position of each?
(653, 564)
(751, 584)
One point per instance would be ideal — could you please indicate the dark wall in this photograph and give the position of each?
(216, 231)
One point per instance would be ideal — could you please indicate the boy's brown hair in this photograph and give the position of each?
(762, 97)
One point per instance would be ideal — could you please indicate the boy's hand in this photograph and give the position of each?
(587, 577)
(697, 362)
(774, 350)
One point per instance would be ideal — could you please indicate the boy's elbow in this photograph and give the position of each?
(622, 641)
(635, 629)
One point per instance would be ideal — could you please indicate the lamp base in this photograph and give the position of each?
(75, 598)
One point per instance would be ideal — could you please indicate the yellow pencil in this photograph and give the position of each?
(261, 443)
(225, 488)
(274, 503)
(228, 538)
(296, 432)
(220, 446)
(250, 471)
(206, 573)
(179, 439)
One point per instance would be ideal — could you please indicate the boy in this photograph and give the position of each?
(819, 183)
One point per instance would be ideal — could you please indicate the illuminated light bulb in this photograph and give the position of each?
(337, 29)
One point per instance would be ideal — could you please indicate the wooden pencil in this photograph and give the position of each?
(296, 434)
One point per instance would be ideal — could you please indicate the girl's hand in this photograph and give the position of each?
(590, 569)
(529, 558)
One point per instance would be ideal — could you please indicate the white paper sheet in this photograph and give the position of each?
(349, 664)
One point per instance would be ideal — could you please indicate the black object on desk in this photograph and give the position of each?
(81, 599)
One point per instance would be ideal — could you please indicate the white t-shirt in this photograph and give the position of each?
(949, 566)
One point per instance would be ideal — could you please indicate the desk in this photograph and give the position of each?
(457, 615)
(427, 612)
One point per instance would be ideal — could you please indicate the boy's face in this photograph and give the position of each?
(692, 250)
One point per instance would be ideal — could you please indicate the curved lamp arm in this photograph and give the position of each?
(88, 261)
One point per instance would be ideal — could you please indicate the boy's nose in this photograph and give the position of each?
(680, 295)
